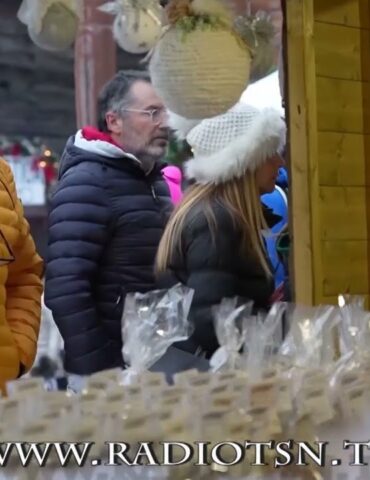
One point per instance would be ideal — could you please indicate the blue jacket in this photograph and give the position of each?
(106, 220)
(277, 201)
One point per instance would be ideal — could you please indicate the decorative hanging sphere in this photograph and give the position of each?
(200, 66)
(54, 25)
(139, 26)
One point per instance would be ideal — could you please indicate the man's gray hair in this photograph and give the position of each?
(115, 95)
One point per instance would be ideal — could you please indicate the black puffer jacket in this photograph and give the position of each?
(213, 265)
(105, 224)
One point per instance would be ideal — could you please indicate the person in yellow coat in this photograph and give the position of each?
(20, 284)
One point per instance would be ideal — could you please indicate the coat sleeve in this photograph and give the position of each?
(23, 288)
(78, 233)
(211, 265)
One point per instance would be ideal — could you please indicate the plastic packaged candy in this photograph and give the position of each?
(349, 378)
(263, 341)
(354, 327)
(151, 323)
(25, 386)
(231, 330)
(310, 341)
(104, 380)
(52, 24)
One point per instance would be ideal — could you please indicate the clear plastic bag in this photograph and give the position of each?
(349, 375)
(231, 329)
(264, 339)
(52, 24)
(310, 341)
(355, 326)
(308, 353)
(151, 323)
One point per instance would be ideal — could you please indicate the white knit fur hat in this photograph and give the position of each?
(226, 146)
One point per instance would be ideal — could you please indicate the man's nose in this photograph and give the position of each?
(164, 120)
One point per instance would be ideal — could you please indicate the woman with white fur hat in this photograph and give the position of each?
(214, 242)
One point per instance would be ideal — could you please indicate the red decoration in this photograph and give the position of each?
(50, 173)
(16, 150)
(44, 159)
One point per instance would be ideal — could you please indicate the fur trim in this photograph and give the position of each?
(264, 138)
(181, 125)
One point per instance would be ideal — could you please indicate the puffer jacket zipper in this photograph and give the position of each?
(154, 194)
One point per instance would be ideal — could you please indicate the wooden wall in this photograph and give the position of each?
(329, 115)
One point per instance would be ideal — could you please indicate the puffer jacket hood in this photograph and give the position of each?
(95, 146)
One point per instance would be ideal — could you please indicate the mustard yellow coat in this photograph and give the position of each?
(20, 284)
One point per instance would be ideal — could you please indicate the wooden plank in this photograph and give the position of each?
(343, 105)
(342, 159)
(345, 268)
(343, 213)
(298, 148)
(312, 112)
(365, 55)
(353, 13)
(339, 51)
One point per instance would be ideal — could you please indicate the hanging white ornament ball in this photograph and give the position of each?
(138, 29)
(58, 28)
(201, 73)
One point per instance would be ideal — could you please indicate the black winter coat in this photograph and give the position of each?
(106, 220)
(214, 266)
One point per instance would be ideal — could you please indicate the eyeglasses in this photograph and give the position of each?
(155, 114)
(6, 253)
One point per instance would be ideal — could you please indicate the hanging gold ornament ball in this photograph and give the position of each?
(139, 28)
(200, 67)
(58, 28)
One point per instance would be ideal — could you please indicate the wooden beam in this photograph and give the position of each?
(302, 117)
(95, 59)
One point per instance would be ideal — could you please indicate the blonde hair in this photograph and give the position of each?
(240, 197)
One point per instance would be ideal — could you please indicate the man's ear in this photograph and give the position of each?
(114, 122)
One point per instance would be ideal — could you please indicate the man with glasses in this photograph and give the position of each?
(107, 217)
